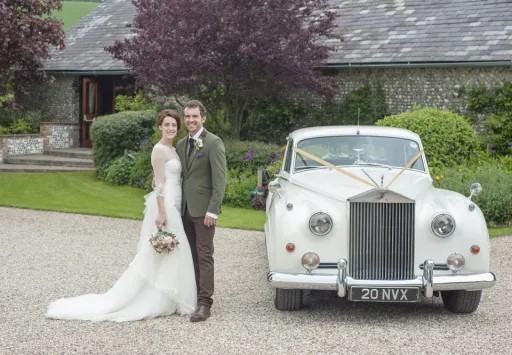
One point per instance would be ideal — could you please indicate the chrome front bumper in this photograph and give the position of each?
(342, 282)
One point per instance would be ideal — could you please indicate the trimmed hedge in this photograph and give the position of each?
(448, 139)
(113, 134)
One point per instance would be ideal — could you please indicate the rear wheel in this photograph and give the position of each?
(461, 301)
(287, 300)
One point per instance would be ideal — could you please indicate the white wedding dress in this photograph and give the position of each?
(154, 284)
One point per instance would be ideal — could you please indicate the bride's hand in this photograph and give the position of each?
(160, 221)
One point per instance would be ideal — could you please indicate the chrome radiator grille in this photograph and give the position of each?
(381, 241)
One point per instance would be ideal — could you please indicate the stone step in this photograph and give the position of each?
(79, 153)
(18, 168)
(49, 160)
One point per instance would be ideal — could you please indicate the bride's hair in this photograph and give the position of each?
(168, 113)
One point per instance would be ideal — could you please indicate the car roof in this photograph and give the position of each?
(328, 131)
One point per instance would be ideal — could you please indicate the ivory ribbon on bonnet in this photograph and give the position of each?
(343, 171)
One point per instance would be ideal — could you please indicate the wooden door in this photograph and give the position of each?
(90, 108)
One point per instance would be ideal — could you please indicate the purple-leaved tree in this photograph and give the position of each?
(28, 32)
(229, 53)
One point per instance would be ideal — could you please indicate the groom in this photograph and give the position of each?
(203, 162)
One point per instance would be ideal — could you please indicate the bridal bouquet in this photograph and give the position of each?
(164, 241)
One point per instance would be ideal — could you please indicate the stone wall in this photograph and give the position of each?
(20, 144)
(436, 87)
(54, 135)
(60, 135)
(61, 99)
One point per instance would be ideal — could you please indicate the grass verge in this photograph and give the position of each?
(497, 232)
(83, 193)
(74, 11)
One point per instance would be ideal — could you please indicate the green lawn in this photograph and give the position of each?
(83, 193)
(74, 11)
(496, 232)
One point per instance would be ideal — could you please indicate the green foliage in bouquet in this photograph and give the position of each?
(164, 241)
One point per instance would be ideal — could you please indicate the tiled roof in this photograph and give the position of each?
(391, 31)
(86, 40)
(374, 31)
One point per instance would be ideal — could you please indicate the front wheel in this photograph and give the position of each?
(287, 300)
(461, 301)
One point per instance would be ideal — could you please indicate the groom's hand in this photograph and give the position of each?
(209, 221)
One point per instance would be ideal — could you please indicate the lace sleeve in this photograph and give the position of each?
(158, 159)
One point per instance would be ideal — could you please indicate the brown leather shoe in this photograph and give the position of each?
(202, 314)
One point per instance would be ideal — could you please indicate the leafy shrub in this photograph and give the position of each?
(113, 134)
(14, 121)
(249, 156)
(496, 101)
(448, 139)
(496, 198)
(499, 128)
(142, 172)
(18, 127)
(34, 118)
(239, 186)
(133, 103)
(118, 173)
(271, 120)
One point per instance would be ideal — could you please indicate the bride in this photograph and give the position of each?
(153, 284)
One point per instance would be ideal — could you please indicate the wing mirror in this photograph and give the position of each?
(274, 187)
(475, 190)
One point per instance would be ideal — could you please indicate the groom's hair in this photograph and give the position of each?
(194, 104)
(168, 113)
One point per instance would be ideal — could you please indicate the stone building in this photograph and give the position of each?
(421, 52)
(87, 78)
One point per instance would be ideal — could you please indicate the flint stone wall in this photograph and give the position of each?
(432, 87)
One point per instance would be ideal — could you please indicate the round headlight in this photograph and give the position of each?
(443, 225)
(310, 261)
(455, 262)
(320, 223)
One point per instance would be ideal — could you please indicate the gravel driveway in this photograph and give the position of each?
(68, 254)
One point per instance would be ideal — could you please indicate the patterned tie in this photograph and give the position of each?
(191, 142)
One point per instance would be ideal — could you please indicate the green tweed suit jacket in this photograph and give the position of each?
(204, 175)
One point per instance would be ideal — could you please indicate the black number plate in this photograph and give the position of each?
(384, 294)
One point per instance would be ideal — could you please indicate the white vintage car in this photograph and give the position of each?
(354, 211)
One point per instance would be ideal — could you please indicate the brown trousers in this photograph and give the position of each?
(200, 238)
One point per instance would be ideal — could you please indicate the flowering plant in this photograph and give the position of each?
(164, 241)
